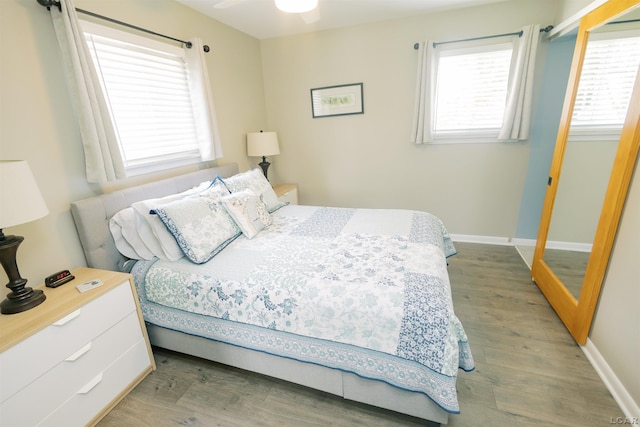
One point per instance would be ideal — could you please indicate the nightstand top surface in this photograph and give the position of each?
(60, 302)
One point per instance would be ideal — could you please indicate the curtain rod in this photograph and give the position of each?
(49, 3)
(517, 33)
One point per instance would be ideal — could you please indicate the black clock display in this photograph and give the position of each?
(59, 278)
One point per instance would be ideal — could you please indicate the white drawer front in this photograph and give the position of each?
(98, 392)
(42, 351)
(42, 397)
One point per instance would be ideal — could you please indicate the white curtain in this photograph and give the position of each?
(422, 129)
(517, 116)
(208, 135)
(103, 159)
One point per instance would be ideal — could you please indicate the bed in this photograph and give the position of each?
(282, 295)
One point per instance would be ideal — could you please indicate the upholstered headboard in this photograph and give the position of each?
(92, 215)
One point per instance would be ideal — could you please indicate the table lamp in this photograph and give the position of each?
(262, 144)
(20, 202)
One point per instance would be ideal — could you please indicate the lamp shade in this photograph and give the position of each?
(20, 198)
(296, 6)
(262, 144)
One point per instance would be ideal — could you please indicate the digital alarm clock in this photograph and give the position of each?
(59, 278)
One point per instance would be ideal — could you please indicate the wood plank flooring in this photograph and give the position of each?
(529, 371)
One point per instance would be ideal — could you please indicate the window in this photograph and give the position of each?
(147, 88)
(475, 90)
(606, 82)
(471, 90)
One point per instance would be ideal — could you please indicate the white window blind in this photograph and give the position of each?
(606, 82)
(148, 93)
(471, 89)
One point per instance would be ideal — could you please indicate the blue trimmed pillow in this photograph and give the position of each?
(152, 232)
(199, 224)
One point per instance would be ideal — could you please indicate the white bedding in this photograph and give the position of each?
(360, 290)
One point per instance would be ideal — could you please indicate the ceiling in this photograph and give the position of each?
(261, 19)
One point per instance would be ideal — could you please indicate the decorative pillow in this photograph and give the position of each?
(199, 224)
(255, 181)
(248, 212)
(153, 232)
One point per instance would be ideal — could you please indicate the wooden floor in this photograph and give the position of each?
(529, 371)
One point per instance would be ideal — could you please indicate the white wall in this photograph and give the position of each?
(367, 160)
(615, 331)
(38, 125)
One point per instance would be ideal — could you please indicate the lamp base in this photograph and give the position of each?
(21, 297)
(265, 166)
(24, 302)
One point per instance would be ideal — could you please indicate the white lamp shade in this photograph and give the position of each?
(20, 198)
(296, 6)
(262, 144)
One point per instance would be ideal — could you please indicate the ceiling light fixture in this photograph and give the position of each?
(296, 6)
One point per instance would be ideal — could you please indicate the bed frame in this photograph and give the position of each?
(92, 216)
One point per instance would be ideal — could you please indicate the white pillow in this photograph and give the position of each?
(248, 212)
(200, 225)
(124, 230)
(123, 246)
(255, 181)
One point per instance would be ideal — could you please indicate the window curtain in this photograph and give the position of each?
(517, 115)
(103, 160)
(208, 134)
(422, 129)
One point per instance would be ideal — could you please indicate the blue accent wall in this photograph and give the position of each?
(544, 130)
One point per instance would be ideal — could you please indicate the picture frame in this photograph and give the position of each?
(340, 100)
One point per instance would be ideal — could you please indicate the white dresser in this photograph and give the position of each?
(68, 361)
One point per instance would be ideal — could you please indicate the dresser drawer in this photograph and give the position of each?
(40, 398)
(39, 353)
(102, 389)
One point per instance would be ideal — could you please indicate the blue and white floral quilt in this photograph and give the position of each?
(360, 290)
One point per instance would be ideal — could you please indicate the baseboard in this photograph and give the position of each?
(569, 246)
(515, 241)
(487, 240)
(630, 408)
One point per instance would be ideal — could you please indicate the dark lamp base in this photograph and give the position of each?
(21, 298)
(265, 166)
(27, 301)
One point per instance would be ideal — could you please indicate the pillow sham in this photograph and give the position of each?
(248, 212)
(116, 228)
(153, 232)
(200, 226)
(255, 181)
(125, 229)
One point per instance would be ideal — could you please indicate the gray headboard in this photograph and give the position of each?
(92, 215)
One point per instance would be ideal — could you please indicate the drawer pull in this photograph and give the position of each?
(91, 384)
(68, 318)
(75, 356)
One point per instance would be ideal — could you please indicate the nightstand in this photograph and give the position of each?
(287, 193)
(71, 359)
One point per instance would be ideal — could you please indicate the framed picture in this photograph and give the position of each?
(337, 100)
